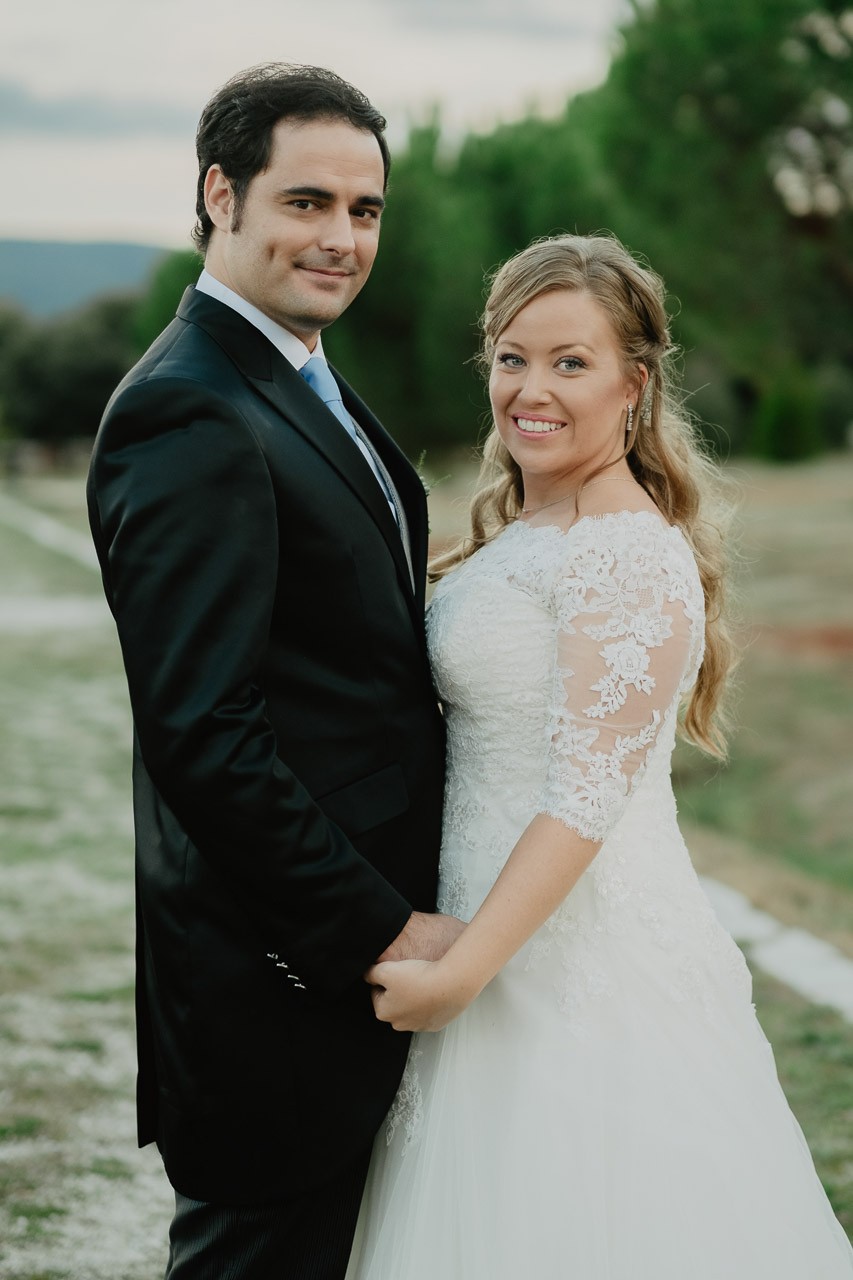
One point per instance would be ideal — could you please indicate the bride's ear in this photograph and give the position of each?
(636, 381)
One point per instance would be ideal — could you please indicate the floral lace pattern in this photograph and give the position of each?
(628, 630)
(407, 1109)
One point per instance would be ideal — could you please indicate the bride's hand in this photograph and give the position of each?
(417, 995)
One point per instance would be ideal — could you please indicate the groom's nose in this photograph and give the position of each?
(336, 232)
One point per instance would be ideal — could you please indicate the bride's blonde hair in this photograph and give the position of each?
(663, 451)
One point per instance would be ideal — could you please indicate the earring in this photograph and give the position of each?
(629, 427)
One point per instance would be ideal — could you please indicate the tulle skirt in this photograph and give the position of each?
(644, 1139)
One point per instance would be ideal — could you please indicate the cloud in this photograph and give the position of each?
(549, 19)
(23, 112)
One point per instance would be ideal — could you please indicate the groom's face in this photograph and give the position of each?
(303, 243)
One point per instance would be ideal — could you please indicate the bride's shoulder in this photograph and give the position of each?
(629, 549)
(623, 561)
(616, 496)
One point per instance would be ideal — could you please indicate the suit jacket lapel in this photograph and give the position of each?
(406, 480)
(280, 384)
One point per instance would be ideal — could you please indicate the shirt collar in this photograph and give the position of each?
(291, 347)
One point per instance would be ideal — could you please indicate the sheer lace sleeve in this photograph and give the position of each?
(628, 609)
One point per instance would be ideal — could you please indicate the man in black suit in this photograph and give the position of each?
(263, 545)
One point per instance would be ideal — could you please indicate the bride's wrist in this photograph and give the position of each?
(459, 977)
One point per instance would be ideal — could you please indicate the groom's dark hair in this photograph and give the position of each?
(236, 127)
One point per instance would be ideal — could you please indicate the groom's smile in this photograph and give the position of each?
(330, 275)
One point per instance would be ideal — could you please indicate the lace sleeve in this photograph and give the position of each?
(628, 627)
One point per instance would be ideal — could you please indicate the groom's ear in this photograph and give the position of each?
(218, 198)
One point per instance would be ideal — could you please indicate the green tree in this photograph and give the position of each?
(719, 146)
(14, 324)
(786, 425)
(60, 374)
(159, 302)
(405, 341)
(694, 127)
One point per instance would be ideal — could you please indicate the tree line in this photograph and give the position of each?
(719, 147)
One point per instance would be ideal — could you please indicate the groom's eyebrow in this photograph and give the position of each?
(320, 193)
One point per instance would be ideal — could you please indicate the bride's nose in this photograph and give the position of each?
(536, 390)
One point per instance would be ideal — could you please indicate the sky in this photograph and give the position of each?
(99, 99)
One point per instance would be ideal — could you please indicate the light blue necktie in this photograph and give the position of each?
(319, 377)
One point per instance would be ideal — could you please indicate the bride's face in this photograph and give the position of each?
(559, 387)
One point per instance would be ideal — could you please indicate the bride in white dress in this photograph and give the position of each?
(591, 1096)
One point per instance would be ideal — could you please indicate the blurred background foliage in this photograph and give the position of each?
(720, 147)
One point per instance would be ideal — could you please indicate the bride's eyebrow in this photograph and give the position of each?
(563, 346)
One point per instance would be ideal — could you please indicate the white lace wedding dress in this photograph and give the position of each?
(608, 1108)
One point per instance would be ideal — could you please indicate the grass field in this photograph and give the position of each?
(77, 1200)
(76, 1197)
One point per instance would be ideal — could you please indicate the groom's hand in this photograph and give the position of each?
(425, 937)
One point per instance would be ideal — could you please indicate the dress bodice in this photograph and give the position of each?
(561, 658)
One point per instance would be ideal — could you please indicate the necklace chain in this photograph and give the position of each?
(528, 511)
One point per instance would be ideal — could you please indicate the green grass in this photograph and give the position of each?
(814, 1056)
(29, 569)
(20, 1127)
(786, 790)
(39, 1275)
(106, 995)
(35, 1216)
(109, 1167)
(79, 1046)
(61, 494)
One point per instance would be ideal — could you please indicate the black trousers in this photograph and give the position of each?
(302, 1238)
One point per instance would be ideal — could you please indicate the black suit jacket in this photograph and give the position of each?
(288, 764)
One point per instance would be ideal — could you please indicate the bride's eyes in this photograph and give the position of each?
(510, 360)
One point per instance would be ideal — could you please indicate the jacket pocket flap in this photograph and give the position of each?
(369, 802)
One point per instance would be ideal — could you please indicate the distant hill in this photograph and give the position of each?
(47, 276)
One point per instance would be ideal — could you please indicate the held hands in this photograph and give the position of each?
(418, 995)
(426, 988)
(413, 986)
(425, 937)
